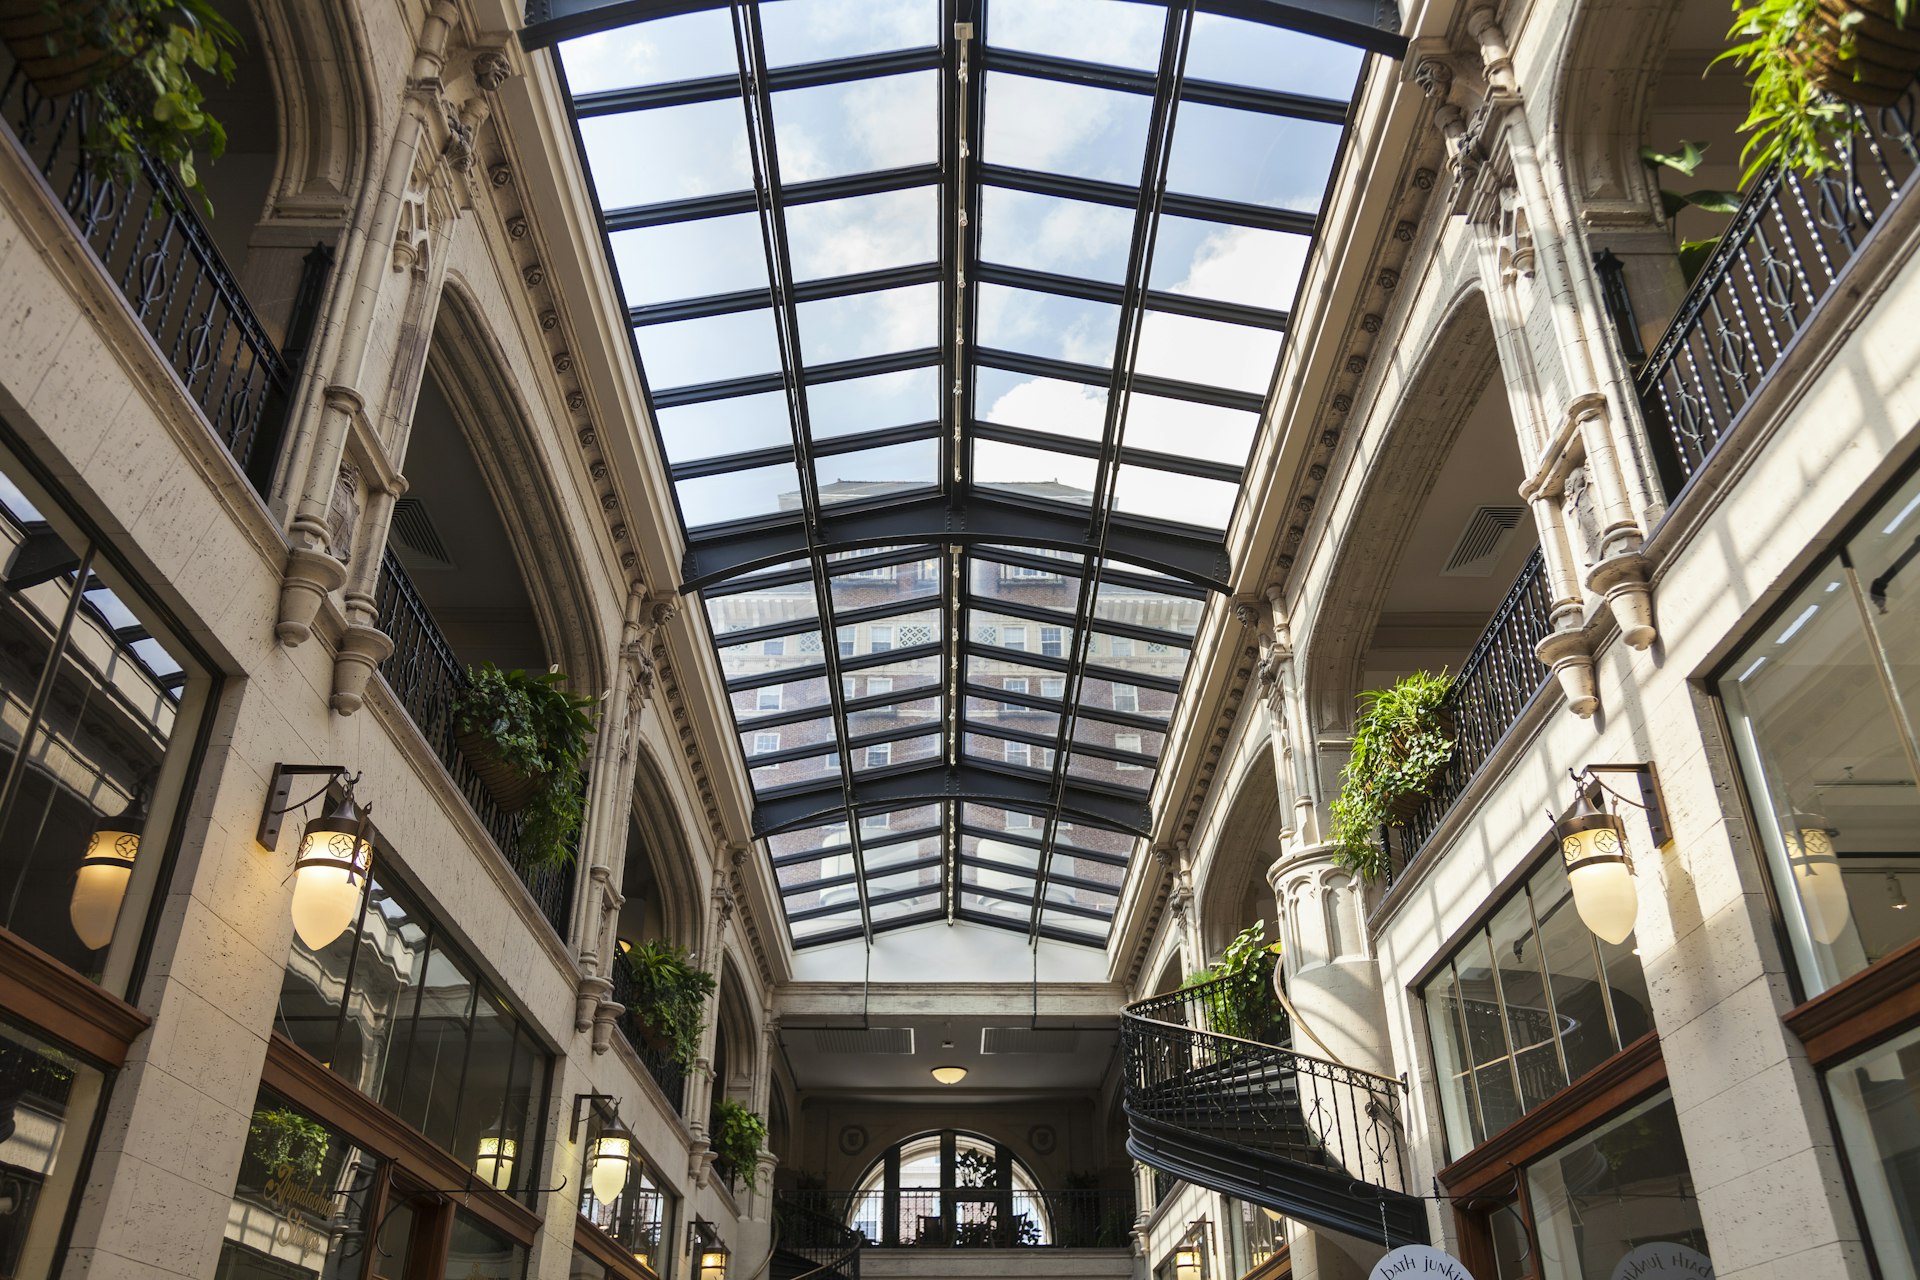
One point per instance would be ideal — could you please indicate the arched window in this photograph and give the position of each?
(950, 1188)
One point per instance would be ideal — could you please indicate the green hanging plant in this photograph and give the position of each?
(669, 998)
(1693, 253)
(1239, 1000)
(527, 738)
(739, 1136)
(280, 1138)
(1402, 739)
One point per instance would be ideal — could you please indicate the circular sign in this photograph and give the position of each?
(1042, 1138)
(1666, 1261)
(853, 1139)
(1419, 1262)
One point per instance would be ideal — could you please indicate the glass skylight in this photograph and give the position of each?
(957, 377)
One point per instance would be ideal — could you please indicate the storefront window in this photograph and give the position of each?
(1529, 1003)
(1822, 703)
(301, 1202)
(396, 1009)
(1877, 1099)
(477, 1252)
(1255, 1235)
(96, 711)
(47, 1102)
(640, 1218)
(1620, 1194)
(587, 1267)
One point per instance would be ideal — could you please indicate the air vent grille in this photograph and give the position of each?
(1027, 1040)
(1481, 542)
(863, 1040)
(414, 530)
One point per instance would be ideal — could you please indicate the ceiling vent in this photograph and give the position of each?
(413, 529)
(1488, 531)
(863, 1040)
(1027, 1040)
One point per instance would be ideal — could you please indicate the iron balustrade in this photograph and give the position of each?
(979, 1217)
(427, 680)
(1780, 256)
(152, 245)
(1243, 1006)
(822, 1239)
(1500, 677)
(659, 1062)
(1267, 1101)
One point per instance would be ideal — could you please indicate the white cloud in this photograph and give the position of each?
(1045, 404)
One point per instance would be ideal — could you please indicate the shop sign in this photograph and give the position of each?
(1420, 1262)
(1664, 1260)
(301, 1208)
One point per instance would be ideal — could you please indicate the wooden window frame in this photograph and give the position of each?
(603, 1248)
(299, 1077)
(1872, 1006)
(42, 992)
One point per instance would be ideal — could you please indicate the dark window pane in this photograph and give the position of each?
(1529, 1011)
(300, 1200)
(427, 1093)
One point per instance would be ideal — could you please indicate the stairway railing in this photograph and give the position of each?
(828, 1243)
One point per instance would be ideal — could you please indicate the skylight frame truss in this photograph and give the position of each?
(961, 529)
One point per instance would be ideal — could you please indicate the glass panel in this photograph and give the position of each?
(685, 47)
(1131, 698)
(1020, 635)
(425, 1091)
(884, 400)
(1041, 404)
(787, 737)
(1573, 965)
(1167, 495)
(1066, 128)
(493, 1104)
(584, 1266)
(1079, 896)
(739, 495)
(1048, 324)
(820, 926)
(1489, 1055)
(1618, 1197)
(1137, 776)
(1160, 658)
(810, 771)
(787, 602)
(1105, 733)
(983, 711)
(1066, 922)
(793, 650)
(1213, 353)
(1251, 157)
(798, 31)
(907, 675)
(1247, 265)
(1033, 473)
(388, 955)
(478, 1251)
(668, 153)
(863, 233)
(1115, 32)
(1050, 588)
(1018, 755)
(716, 428)
(300, 1200)
(683, 353)
(896, 631)
(679, 260)
(918, 877)
(805, 693)
(1049, 233)
(1270, 57)
(876, 473)
(868, 588)
(1876, 1098)
(1188, 429)
(921, 905)
(832, 130)
(923, 712)
(869, 324)
(888, 855)
(1452, 1060)
(887, 755)
(1523, 990)
(1121, 603)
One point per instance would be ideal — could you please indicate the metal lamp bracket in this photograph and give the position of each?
(280, 787)
(1651, 800)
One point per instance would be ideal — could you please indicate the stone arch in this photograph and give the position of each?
(1245, 842)
(659, 863)
(1453, 368)
(736, 1042)
(318, 55)
(466, 359)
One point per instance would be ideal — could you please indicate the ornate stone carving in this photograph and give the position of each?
(1342, 402)
(362, 648)
(1370, 323)
(587, 437)
(533, 274)
(311, 575)
(1577, 501)
(491, 67)
(500, 175)
(1434, 77)
(1330, 437)
(1356, 363)
(549, 320)
(563, 362)
(1389, 278)
(517, 227)
(576, 401)
(1403, 231)
(343, 512)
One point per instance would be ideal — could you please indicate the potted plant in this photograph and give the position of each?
(1801, 55)
(137, 59)
(1239, 1000)
(1693, 254)
(669, 998)
(1402, 739)
(738, 1136)
(527, 737)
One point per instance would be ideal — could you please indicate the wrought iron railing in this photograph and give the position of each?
(426, 678)
(979, 1217)
(1267, 1100)
(1783, 252)
(822, 1239)
(1495, 684)
(146, 236)
(1242, 1005)
(658, 1060)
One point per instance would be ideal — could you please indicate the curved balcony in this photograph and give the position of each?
(1316, 1140)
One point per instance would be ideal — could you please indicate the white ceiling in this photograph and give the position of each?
(1082, 1050)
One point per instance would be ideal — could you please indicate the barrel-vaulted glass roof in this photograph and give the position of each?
(957, 318)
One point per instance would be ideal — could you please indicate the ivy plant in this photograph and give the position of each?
(280, 1138)
(1402, 739)
(1238, 986)
(1780, 46)
(535, 726)
(670, 995)
(739, 1135)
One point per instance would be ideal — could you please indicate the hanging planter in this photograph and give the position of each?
(1863, 51)
(526, 739)
(53, 57)
(669, 998)
(1403, 739)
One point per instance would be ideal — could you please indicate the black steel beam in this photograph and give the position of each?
(983, 518)
(721, 88)
(715, 206)
(967, 781)
(1120, 195)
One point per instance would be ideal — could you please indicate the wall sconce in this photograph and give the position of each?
(1188, 1264)
(496, 1159)
(330, 868)
(100, 886)
(705, 1244)
(1594, 844)
(610, 1159)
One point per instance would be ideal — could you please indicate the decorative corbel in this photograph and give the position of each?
(1566, 652)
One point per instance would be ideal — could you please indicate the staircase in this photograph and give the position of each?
(1216, 1096)
(809, 1245)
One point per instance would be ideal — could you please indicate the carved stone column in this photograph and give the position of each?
(700, 1081)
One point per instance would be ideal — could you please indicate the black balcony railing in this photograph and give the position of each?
(659, 1062)
(1495, 684)
(152, 245)
(1780, 256)
(824, 1247)
(426, 678)
(979, 1217)
(1242, 1005)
